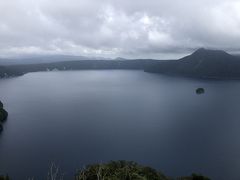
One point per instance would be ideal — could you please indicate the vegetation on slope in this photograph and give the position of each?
(9, 72)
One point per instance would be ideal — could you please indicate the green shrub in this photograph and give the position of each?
(119, 170)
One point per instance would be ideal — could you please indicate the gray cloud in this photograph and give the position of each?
(136, 28)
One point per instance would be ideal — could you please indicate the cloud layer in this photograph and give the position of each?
(136, 28)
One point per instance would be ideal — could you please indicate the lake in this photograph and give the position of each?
(75, 118)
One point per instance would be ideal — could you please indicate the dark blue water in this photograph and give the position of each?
(82, 117)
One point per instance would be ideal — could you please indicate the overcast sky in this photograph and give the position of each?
(112, 28)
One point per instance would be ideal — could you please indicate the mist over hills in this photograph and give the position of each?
(38, 59)
(203, 63)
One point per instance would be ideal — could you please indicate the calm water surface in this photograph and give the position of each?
(82, 117)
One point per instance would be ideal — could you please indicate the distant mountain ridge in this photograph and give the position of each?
(203, 63)
(73, 65)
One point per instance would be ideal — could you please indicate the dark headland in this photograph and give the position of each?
(3, 116)
(203, 63)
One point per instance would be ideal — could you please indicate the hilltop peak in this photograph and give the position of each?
(210, 52)
(208, 55)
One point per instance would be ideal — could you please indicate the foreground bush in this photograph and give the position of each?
(119, 170)
(124, 170)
